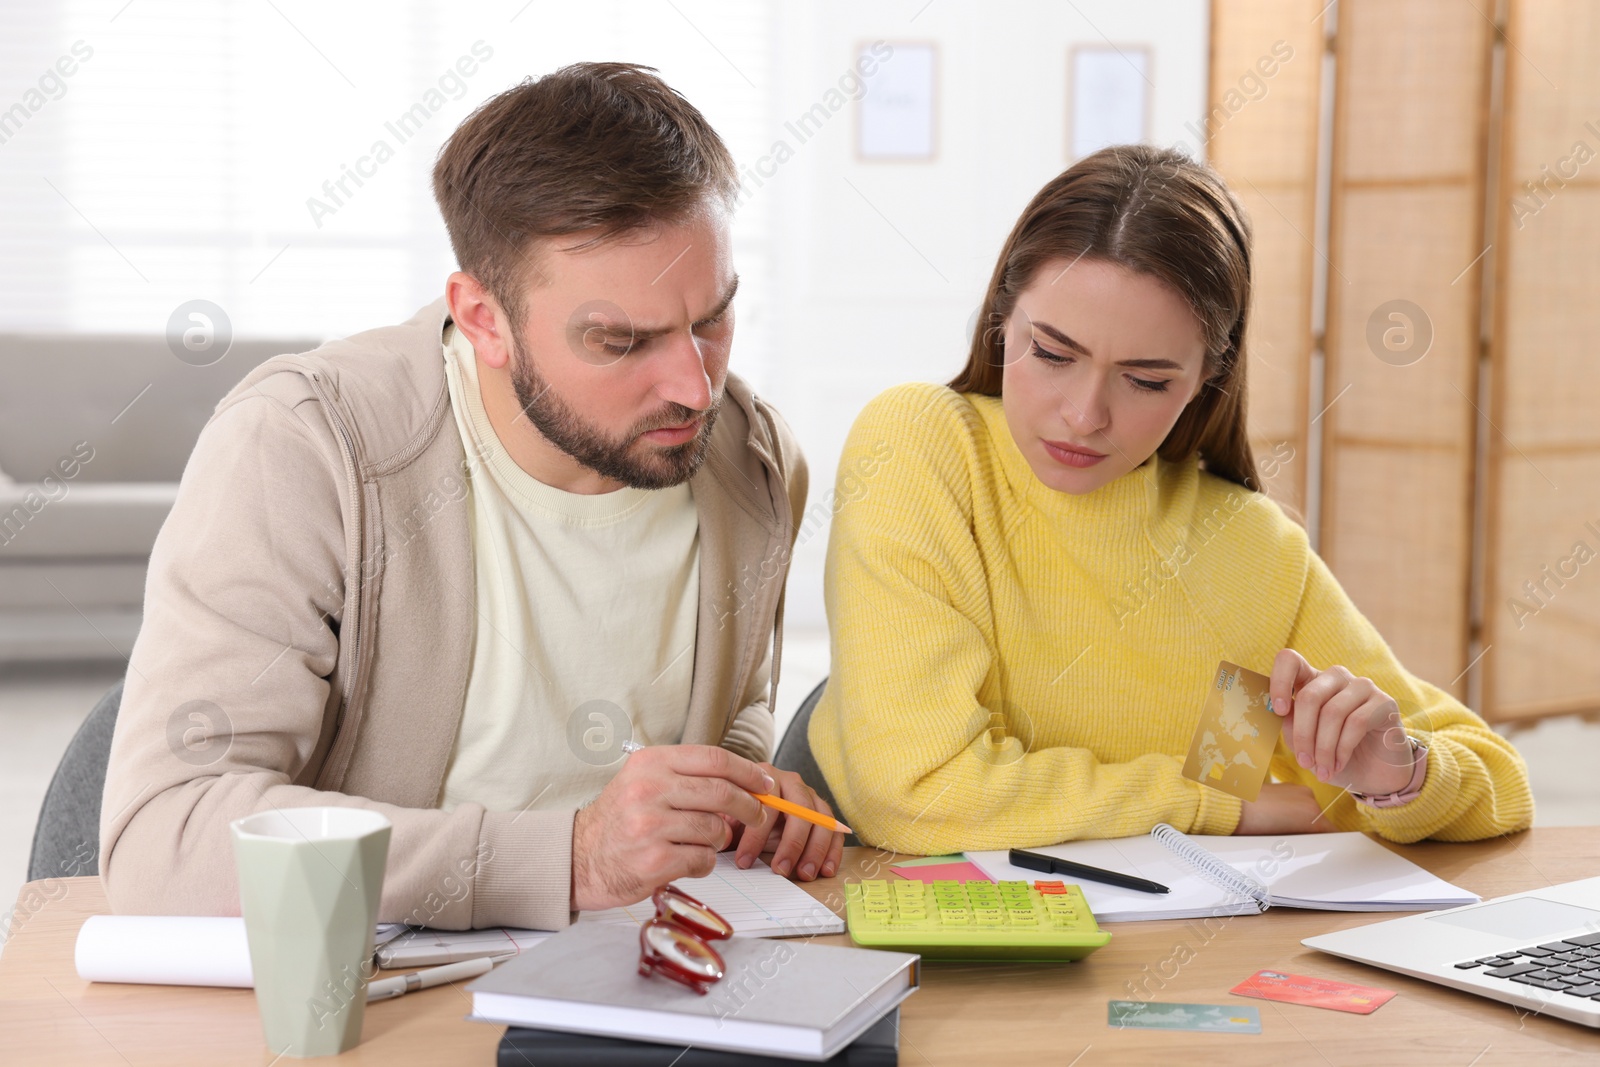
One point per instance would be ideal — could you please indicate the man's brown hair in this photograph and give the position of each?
(606, 146)
(1156, 212)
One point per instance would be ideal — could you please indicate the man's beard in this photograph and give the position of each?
(653, 468)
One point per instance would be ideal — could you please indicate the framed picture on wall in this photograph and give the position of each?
(897, 117)
(1109, 97)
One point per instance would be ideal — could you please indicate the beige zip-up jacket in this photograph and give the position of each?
(308, 619)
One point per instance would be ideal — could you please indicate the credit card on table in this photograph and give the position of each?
(1233, 743)
(1216, 1018)
(1314, 992)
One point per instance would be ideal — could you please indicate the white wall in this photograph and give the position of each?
(181, 159)
(179, 162)
(876, 284)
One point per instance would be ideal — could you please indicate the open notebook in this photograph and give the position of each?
(757, 901)
(1243, 875)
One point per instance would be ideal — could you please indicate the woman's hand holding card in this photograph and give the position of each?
(1340, 726)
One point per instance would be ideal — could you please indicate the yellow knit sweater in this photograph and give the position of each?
(1014, 665)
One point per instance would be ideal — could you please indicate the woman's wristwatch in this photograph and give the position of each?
(1419, 772)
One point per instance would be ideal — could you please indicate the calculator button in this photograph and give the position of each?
(983, 920)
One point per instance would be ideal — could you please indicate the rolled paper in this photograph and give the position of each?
(164, 950)
(174, 949)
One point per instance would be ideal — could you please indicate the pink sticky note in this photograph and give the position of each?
(966, 871)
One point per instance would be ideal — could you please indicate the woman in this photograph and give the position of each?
(1051, 555)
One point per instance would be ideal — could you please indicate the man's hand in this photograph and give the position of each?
(664, 816)
(1282, 808)
(797, 845)
(1341, 727)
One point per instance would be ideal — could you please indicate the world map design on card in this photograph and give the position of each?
(1233, 742)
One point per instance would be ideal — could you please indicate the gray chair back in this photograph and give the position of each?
(794, 754)
(66, 842)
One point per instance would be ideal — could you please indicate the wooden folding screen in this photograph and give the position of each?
(1261, 133)
(1464, 521)
(1410, 122)
(1541, 631)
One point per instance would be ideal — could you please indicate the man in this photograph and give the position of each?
(445, 569)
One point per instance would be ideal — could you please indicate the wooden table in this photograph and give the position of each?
(964, 1013)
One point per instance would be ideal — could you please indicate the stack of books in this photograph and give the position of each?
(578, 998)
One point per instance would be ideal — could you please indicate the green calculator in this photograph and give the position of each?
(996, 921)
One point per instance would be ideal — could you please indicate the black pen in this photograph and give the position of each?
(1038, 861)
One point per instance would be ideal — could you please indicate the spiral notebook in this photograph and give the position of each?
(1243, 875)
(757, 901)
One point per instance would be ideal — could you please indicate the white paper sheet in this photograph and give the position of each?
(211, 950)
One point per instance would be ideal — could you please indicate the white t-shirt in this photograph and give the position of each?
(586, 615)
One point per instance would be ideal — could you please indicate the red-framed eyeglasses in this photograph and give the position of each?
(676, 943)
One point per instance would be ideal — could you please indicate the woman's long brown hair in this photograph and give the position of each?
(1157, 212)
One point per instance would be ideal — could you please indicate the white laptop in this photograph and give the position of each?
(1539, 950)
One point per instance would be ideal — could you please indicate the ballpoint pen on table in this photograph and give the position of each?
(1038, 861)
(385, 988)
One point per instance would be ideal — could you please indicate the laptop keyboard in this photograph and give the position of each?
(1571, 966)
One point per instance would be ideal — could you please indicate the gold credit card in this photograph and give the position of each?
(1233, 743)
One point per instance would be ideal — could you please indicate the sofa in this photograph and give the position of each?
(95, 430)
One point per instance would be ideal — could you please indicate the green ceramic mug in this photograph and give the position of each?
(309, 884)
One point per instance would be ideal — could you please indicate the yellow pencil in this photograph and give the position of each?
(816, 818)
(827, 822)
